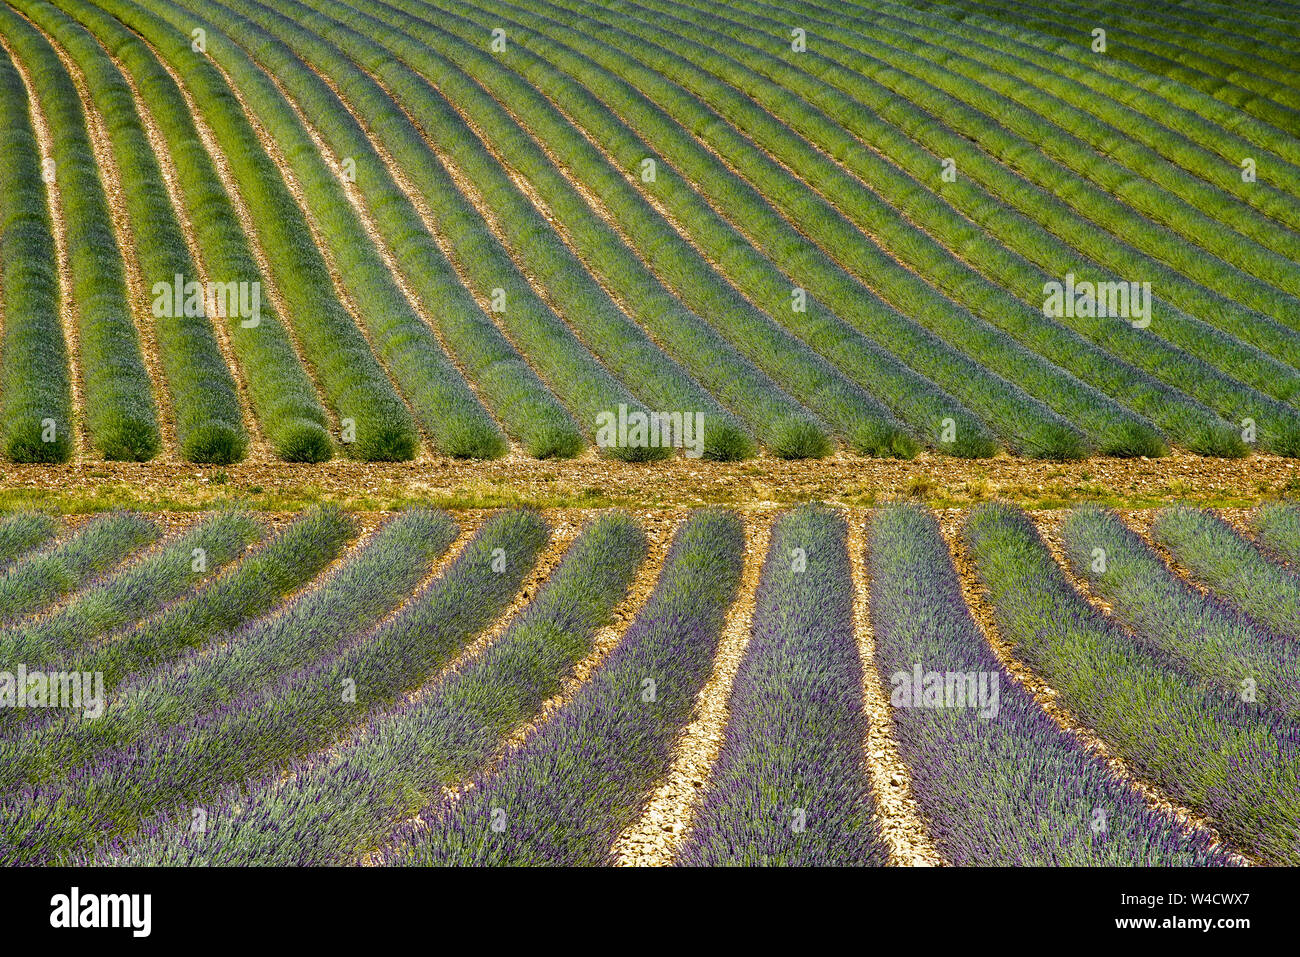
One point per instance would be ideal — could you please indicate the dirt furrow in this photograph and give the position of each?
(656, 838)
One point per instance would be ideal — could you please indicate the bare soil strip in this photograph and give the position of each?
(656, 838)
(1044, 694)
(246, 219)
(82, 447)
(900, 818)
(138, 289)
(259, 449)
(659, 530)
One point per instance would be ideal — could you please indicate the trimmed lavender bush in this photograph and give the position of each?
(1009, 787)
(1278, 528)
(1202, 637)
(790, 786)
(35, 582)
(565, 795)
(1226, 562)
(368, 586)
(133, 593)
(336, 807)
(1233, 762)
(257, 731)
(22, 532)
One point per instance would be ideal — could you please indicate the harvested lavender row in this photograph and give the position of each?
(22, 532)
(790, 787)
(35, 582)
(565, 795)
(1278, 528)
(1222, 560)
(133, 593)
(368, 586)
(997, 781)
(1235, 763)
(332, 811)
(258, 731)
(1204, 639)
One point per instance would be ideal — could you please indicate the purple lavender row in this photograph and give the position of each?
(1226, 562)
(35, 582)
(1235, 763)
(564, 796)
(790, 787)
(133, 593)
(369, 585)
(304, 711)
(1202, 637)
(334, 809)
(996, 780)
(214, 610)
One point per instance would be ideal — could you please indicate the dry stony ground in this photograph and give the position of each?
(588, 481)
(659, 497)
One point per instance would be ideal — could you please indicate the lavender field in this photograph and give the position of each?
(809, 686)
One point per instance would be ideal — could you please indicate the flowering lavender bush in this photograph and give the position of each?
(35, 582)
(334, 808)
(1204, 638)
(565, 795)
(255, 731)
(790, 786)
(1010, 788)
(1221, 559)
(1233, 762)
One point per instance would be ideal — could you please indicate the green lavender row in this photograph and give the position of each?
(635, 359)
(374, 423)
(205, 406)
(133, 593)
(665, 282)
(281, 394)
(1023, 422)
(1085, 347)
(441, 400)
(215, 611)
(20, 532)
(35, 386)
(120, 413)
(303, 711)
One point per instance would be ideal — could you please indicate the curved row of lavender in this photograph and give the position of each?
(133, 593)
(212, 612)
(302, 712)
(1277, 529)
(1205, 639)
(37, 581)
(1233, 762)
(1226, 562)
(790, 787)
(564, 796)
(336, 808)
(21, 532)
(373, 581)
(1005, 786)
